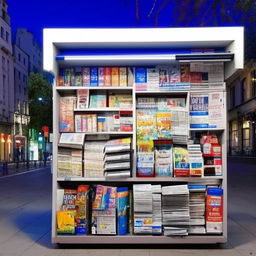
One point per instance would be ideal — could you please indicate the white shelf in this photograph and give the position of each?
(206, 129)
(102, 109)
(208, 180)
(67, 88)
(110, 133)
(139, 239)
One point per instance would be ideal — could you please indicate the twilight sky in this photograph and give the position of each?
(38, 14)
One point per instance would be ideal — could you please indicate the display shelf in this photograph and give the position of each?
(206, 129)
(140, 239)
(102, 109)
(227, 40)
(208, 180)
(64, 88)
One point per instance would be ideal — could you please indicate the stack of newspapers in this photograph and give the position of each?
(94, 158)
(157, 209)
(197, 209)
(143, 208)
(175, 210)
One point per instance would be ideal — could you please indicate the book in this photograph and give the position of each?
(126, 121)
(216, 110)
(93, 76)
(163, 76)
(82, 99)
(163, 157)
(174, 73)
(141, 78)
(60, 81)
(65, 222)
(98, 100)
(130, 76)
(107, 76)
(78, 76)
(122, 76)
(115, 76)
(86, 76)
(103, 221)
(66, 114)
(71, 140)
(123, 101)
(122, 210)
(184, 73)
(214, 210)
(152, 79)
(163, 122)
(100, 76)
(181, 162)
(199, 116)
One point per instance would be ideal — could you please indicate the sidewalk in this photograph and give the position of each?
(20, 167)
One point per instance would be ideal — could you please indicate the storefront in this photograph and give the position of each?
(6, 147)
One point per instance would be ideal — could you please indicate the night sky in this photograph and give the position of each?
(38, 14)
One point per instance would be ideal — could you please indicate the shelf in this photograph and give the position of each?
(102, 109)
(110, 133)
(64, 88)
(206, 129)
(210, 180)
(139, 239)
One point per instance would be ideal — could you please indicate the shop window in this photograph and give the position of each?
(234, 134)
(246, 136)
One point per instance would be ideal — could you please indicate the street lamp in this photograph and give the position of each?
(40, 98)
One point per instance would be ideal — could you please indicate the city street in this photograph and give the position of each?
(25, 219)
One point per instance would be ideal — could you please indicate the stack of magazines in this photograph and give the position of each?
(175, 210)
(197, 209)
(93, 158)
(117, 158)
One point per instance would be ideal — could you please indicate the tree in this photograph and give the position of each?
(40, 102)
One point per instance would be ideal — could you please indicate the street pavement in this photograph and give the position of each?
(25, 220)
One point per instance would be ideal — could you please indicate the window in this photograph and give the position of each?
(243, 90)
(24, 61)
(2, 32)
(24, 78)
(19, 56)
(7, 36)
(4, 84)
(19, 75)
(234, 135)
(3, 61)
(246, 136)
(253, 82)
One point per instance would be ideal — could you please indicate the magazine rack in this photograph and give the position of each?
(138, 47)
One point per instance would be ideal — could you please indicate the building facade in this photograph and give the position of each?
(21, 113)
(242, 111)
(6, 85)
(24, 39)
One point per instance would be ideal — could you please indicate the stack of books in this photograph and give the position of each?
(117, 158)
(175, 210)
(197, 209)
(94, 158)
